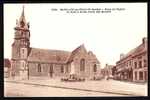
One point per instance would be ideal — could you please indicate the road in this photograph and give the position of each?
(24, 90)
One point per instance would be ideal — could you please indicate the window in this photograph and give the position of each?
(62, 69)
(82, 64)
(67, 69)
(23, 51)
(95, 68)
(23, 64)
(141, 75)
(130, 63)
(144, 62)
(140, 57)
(140, 64)
(146, 75)
(135, 64)
(39, 68)
(51, 69)
(135, 75)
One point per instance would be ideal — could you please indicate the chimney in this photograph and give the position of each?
(106, 65)
(144, 41)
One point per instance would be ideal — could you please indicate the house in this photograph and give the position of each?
(133, 65)
(7, 67)
(107, 70)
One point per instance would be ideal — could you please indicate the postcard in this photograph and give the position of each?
(75, 50)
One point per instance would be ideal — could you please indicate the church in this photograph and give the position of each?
(27, 61)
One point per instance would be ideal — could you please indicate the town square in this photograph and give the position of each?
(42, 60)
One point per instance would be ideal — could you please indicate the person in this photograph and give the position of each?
(107, 78)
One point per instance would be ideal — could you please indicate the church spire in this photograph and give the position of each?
(22, 17)
(22, 11)
(21, 23)
(22, 20)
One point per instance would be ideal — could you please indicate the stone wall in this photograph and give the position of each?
(45, 69)
(89, 64)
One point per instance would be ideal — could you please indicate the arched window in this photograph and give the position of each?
(51, 68)
(62, 69)
(39, 68)
(67, 69)
(95, 68)
(82, 65)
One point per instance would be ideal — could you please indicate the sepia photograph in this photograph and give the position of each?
(75, 50)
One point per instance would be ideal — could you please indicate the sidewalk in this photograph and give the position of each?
(104, 86)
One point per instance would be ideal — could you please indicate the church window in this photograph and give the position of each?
(135, 75)
(82, 64)
(67, 68)
(62, 69)
(51, 68)
(22, 53)
(95, 68)
(39, 68)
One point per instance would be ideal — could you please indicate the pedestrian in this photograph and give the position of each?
(107, 78)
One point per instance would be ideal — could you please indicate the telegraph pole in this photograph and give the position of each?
(28, 70)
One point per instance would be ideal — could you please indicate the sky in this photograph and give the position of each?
(105, 34)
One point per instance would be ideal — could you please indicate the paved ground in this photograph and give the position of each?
(97, 88)
(19, 90)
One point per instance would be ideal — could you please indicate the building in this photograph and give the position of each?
(28, 61)
(7, 67)
(133, 65)
(107, 70)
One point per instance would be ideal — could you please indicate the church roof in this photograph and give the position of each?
(78, 49)
(56, 56)
(48, 56)
(93, 57)
(74, 52)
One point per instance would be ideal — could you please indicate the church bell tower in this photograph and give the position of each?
(20, 47)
